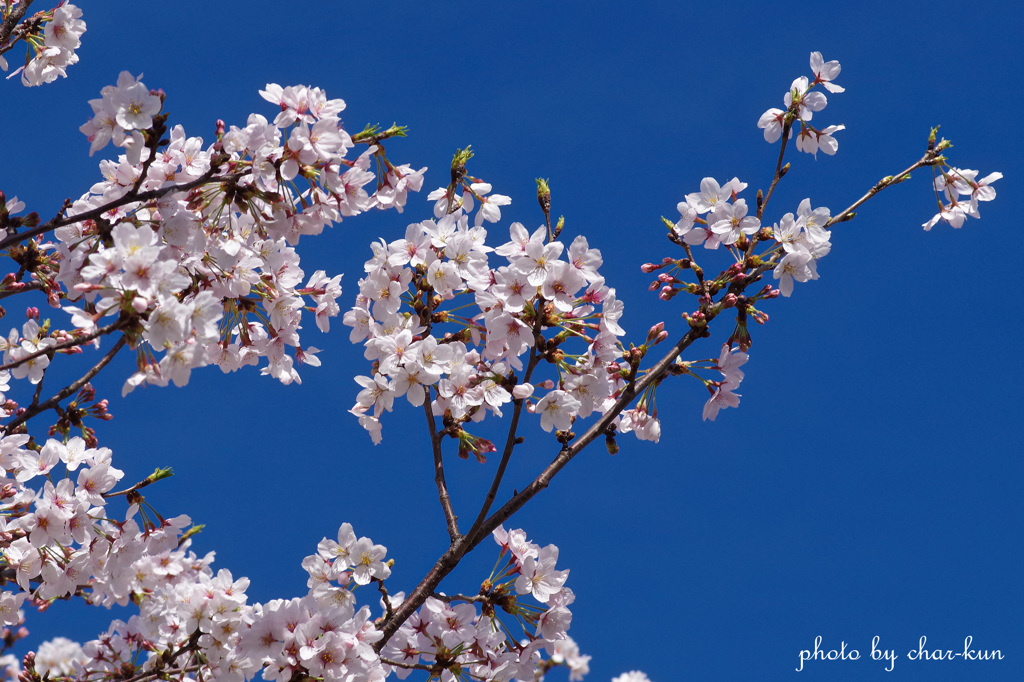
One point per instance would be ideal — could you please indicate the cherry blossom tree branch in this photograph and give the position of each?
(407, 666)
(447, 562)
(37, 408)
(510, 443)
(442, 487)
(448, 598)
(26, 286)
(61, 219)
(780, 170)
(932, 157)
(70, 343)
(11, 22)
(157, 475)
(598, 428)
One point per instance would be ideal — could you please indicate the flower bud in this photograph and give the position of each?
(544, 195)
(522, 391)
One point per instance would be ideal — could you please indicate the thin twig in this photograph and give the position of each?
(70, 343)
(61, 220)
(930, 158)
(407, 666)
(510, 442)
(447, 598)
(159, 474)
(787, 127)
(26, 286)
(65, 392)
(654, 374)
(442, 487)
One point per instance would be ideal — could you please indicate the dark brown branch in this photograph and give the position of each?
(70, 343)
(453, 555)
(930, 158)
(61, 220)
(653, 375)
(26, 286)
(787, 127)
(11, 22)
(510, 443)
(65, 392)
(442, 487)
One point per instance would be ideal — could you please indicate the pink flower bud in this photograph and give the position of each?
(654, 331)
(522, 391)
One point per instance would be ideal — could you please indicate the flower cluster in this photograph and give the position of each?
(726, 221)
(52, 49)
(194, 623)
(465, 634)
(955, 185)
(470, 371)
(801, 103)
(804, 240)
(123, 111)
(59, 542)
(186, 608)
(723, 392)
(189, 251)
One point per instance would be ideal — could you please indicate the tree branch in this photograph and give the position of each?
(65, 392)
(11, 22)
(70, 343)
(442, 487)
(510, 443)
(60, 220)
(450, 559)
(930, 158)
(787, 127)
(654, 374)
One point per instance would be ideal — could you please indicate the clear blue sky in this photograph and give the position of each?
(869, 483)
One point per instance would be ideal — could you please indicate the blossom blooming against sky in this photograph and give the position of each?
(883, 504)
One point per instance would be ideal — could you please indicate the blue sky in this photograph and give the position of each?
(869, 482)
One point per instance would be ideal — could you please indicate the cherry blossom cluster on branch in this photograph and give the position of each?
(466, 361)
(51, 38)
(186, 254)
(189, 251)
